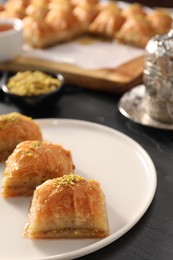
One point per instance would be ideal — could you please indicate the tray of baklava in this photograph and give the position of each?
(93, 43)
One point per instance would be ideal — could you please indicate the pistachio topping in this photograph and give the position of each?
(8, 119)
(35, 144)
(27, 152)
(70, 179)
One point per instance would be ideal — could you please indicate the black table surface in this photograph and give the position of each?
(152, 237)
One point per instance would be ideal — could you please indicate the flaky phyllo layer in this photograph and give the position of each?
(67, 207)
(32, 163)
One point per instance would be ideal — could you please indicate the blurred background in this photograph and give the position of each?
(151, 3)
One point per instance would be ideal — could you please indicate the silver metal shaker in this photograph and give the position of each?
(158, 78)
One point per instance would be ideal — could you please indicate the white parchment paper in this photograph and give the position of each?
(95, 55)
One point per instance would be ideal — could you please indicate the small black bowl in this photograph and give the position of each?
(41, 100)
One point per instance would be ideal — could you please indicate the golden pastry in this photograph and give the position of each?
(64, 23)
(15, 128)
(63, 4)
(86, 13)
(38, 8)
(40, 2)
(133, 10)
(67, 207)
(59, 25)
(37, 33)
(161, 21)
(50, 22)
(31, 163)
(108, 21)
(81, 2)
(16, 8)
(136, 31)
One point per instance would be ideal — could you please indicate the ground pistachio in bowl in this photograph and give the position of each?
(31, 83)
(34, 87)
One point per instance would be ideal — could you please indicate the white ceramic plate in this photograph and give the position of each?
(123, 168)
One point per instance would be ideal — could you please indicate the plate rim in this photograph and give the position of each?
(116, 235)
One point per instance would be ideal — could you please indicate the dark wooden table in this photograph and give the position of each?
(152, 237)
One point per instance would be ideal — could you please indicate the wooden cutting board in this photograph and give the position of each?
(116, 80)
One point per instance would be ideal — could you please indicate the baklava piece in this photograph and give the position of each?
(67, 207)
(37, 33)
(54, 4)
(86, 13)
(38, 8)
(133, 10)
(65, 24)
(107, 22)
(161, 21)
(136, 31)
(15, 128)
(32, 163)
(58, 24)
(16, 8)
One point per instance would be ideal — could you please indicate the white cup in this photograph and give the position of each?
(11, 39)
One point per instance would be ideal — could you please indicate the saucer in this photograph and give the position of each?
(132, 106)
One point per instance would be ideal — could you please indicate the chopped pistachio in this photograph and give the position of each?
(27, 152)
(8, 119)
(35, 144)
(30, 83)
(70, 179)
